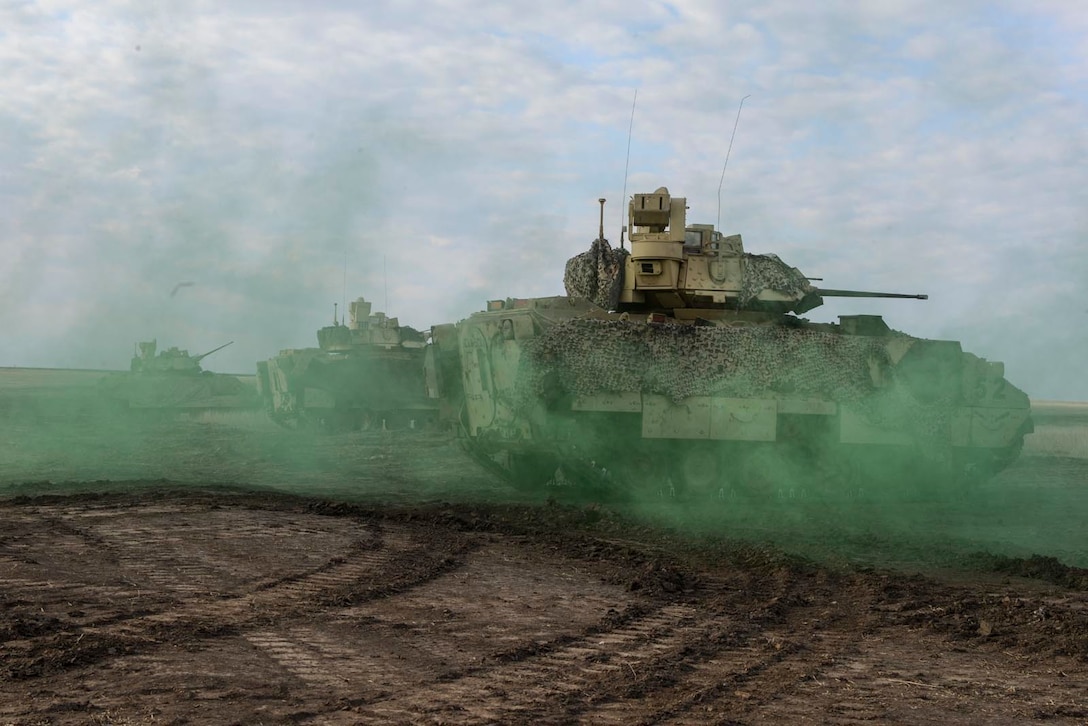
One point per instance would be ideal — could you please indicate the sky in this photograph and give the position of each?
(431, 155)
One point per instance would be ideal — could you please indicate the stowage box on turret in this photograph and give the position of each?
(683, 361)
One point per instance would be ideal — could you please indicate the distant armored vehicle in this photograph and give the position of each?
(366, 374)
(174, 380)
(683, 361)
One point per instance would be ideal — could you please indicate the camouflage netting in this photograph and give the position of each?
(768, 272)
(595, 356)
(588, 356)
(596, 275)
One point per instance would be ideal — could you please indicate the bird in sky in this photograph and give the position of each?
(179, 286)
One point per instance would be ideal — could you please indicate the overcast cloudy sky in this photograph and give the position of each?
(267, 151)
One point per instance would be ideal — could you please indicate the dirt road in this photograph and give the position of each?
(218, 570)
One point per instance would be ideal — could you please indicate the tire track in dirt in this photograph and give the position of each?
(188, 552)
(390, 558)
(538, 681)
(55, 574)
(336, 582)
(314, 657)
(848, 658)
(678, 656)
(161, 565)
(783, 638)
(169, 562)
(731, 682)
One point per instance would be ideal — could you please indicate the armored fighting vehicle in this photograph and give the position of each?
(365, 374)
(173, 380)
(683, 363)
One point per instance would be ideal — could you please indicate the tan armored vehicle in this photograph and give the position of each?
(174, 380)
(683, 361)
(365, 374)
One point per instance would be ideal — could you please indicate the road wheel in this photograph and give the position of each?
(832, 475)
(368, 420)
(764, 475)
(698, 471)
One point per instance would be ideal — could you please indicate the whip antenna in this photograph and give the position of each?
(719, 223)
(626, 166)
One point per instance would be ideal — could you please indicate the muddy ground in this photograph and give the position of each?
(216, 569)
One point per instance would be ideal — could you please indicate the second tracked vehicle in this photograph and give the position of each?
(683, 363)
(366, 373)
(173, 380)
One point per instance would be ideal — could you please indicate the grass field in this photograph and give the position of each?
(1061, 429)
(18, 379)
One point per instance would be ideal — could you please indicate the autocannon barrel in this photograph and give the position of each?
(202, 356)
(862, 293)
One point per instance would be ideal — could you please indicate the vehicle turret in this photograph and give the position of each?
(171, 360)
(367, 329)
(696, 271)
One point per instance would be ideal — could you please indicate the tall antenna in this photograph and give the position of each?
(385, 277)
(626, 166)
(345, 291)
(718, 226)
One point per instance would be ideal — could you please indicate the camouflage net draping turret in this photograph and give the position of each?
(596, 275)
(768, 272)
